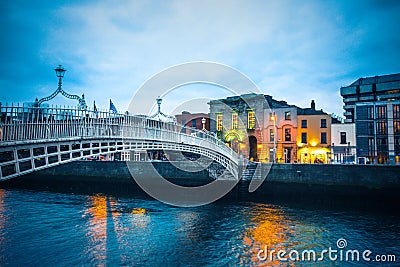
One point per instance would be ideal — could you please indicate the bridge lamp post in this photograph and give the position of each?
(60, 71)
(203, 121)
(159, 101)
(273, 118)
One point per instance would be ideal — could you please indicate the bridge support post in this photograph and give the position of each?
(32, 159)
(58, 153)
(16, 160)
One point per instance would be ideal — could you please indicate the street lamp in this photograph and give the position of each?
(159, 101)
(60, 71)
(159, 113)
(273, 118)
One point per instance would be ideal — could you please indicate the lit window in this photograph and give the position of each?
(219, 122)
(396, 111)
(288, 117)
(396, 126)
(235, 121)
(271, 135)
(272, 116)
(288, 135)
(381, 127)
(251, 120)
(381, 112)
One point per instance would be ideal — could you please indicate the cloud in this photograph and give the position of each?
(295, 51)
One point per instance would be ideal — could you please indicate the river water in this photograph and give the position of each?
(60, 228)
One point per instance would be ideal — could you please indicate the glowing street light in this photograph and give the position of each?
(273, 118)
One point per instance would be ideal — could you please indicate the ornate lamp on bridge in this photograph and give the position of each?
(60, 71)
(203, 121)
(159, 114)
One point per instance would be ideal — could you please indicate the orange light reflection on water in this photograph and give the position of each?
(97, 228)
(104, 223)
(269, 227)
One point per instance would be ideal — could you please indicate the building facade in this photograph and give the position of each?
(343, 143)
(279, 133)
(313, 136)
(238, 121)
(263, 129)
(370, 89)
(372, 104)
(378, 131)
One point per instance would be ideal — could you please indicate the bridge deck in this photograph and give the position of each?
(36, 138)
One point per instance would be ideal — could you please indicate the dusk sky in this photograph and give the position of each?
(293, 50)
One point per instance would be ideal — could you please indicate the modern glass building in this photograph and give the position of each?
(373, 104)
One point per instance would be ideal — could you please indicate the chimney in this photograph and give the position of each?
(312, 105)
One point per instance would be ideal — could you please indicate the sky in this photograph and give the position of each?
(293, 50)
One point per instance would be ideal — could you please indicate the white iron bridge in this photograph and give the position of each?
(36, 138)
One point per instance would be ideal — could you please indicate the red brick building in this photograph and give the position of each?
(193, 121)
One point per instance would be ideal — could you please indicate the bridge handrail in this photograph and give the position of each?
(21, 123)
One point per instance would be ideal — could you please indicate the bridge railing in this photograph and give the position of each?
(24, 123)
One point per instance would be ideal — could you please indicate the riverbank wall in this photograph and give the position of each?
(296, 181)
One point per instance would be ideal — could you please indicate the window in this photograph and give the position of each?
(303, 123)
(323, 138)
(343, 138)
(397, 145)
(219, 122)
(323, 123)
(381, 112)
(194, 123)
(288, 135)
(396, 126)
(251, 120)
(396, 111)
(370, 112)
(235, 121)
(271, 135)
(183, 130)
(288, 117)
(381, 145)
(371, 128)
(381, 127)
(304, 138)
(371, 146)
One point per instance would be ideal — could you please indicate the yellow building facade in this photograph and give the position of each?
(314, 137)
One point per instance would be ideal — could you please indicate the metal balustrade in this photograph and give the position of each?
(25, 128)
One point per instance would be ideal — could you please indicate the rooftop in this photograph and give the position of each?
(310, 111)
(377, 79)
